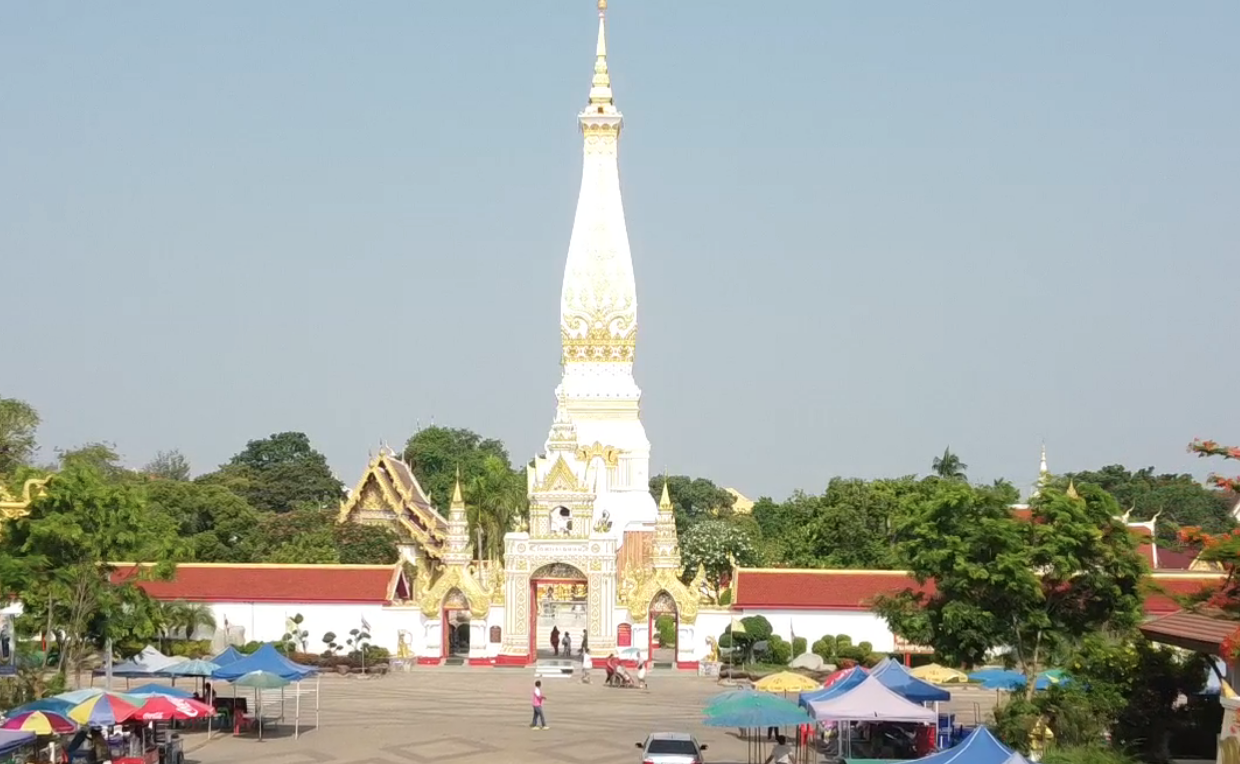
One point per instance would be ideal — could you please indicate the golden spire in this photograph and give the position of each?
(665, 503)
(1072, 494)
(458, 501)
(600, 93)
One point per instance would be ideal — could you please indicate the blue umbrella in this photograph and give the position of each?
(160, 689)
(729, 696)
(998, 679)
(192, 668)
(55, 705)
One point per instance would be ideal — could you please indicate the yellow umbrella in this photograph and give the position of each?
(936, 674)
(785, 681)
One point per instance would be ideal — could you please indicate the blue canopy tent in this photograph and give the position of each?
(842, 685)
(231, 655)
(269, 661)
(979, 747)
(896, 678)
(12, 740)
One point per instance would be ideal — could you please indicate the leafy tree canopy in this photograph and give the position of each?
(280, 472)
(18, 424)
(1029, 586)
(436, 453)
(58, 558)
(309, 535)
(1181, 499)
(168, 465)
(715, 545)
(693, 499)
(217, 524)
(949, 466)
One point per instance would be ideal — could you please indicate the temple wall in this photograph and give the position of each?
(862, 626)
(265, 621)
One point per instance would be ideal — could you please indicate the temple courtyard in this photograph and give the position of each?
(469, 716)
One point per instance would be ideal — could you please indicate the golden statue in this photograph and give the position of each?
(713, 655)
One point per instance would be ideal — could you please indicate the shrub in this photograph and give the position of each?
(842, 641)
(725, 640)
(872, 659)
(306, 659)
(1085, 754)
(824, 649)
(665, 625)
(779, 652)
(197, 648)
(865, 647)
(250, 647)
(799, 646)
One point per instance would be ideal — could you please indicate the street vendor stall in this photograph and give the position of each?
(267, 668)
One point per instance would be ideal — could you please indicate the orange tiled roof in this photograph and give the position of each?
(856, 589)
(215, 582)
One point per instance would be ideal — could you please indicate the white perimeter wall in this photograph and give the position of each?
(265, 621)
(862, 626)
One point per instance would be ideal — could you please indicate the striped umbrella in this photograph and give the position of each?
(104, 710)
(55, 705)
(40, 723)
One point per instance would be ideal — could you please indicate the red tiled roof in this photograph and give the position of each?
(817, 589)
(210, 582)
(856, 589)
(1191, 631)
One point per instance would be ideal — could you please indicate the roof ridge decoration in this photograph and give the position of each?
(409, 505)
(12, 507)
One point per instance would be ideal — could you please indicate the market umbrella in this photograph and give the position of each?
(40, 723)
(937, 674)
(261, 680)
(75, 697)
(746, 702)
(55, 705)
(195, 667)
(757, 712)
(724, 697)
(105, 710)
(160, 708)
(160, 689)
(785, 681)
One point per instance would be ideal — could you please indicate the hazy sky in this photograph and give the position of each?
(862, 231)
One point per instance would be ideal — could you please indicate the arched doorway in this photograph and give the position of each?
(558, 603)
(664, 629)
(456, 620)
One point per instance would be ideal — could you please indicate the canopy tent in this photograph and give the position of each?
(149, 662)
(11, 740)
(871, 700)
(843, 684)
(896, 678)
(979, 747)
(266, 660)
(1007, 679)
(229, 656)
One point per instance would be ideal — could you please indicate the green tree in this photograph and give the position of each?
(949, 466)
(59, 558)
(494, 496)
(1181, 499)
(693, 499)
(101, 457)
(303, 536)
(168, 465)
(714, 545)
(279, 473)
(217, 524)
(18, 424)
(1026, 586)
(362, 544)
(436, 453)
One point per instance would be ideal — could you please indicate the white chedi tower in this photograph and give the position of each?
(598, 325)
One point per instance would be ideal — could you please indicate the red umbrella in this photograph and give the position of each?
(159, 708)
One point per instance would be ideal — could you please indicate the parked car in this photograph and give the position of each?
(671, 748)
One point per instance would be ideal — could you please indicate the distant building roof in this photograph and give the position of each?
(741, 505)
(777, 589)
(221, 582)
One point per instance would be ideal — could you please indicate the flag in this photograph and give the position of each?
(365, 625)
(793, 631)
(737, 626)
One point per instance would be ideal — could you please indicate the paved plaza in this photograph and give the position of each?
(468, 716)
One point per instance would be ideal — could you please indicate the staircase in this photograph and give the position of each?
(554, 668)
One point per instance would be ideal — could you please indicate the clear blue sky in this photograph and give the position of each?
(862, 231)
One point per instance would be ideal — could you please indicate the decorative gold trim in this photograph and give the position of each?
(401, 501)
(609, 454)
(12, 508)
(663, 580)
(456, 577)
(560, 479)
(602, 341)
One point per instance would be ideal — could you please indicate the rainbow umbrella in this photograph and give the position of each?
(103, 710)
(40, 723)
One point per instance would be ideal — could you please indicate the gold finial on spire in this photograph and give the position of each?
(457, 499)
(665, 503)
(1072, 494)
(600, 92)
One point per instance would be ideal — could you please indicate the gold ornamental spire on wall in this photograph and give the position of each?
(666, 543)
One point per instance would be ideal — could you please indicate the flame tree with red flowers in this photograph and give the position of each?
(1222, 549)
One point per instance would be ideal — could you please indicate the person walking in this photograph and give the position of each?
(586, 664)
(540, 719)
(568, 646)
(585, 641)
(555, 640)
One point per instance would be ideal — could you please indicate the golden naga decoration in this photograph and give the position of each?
(713, 655)
(663, 580)
(11, 507)
(609, 454)
(699, 584)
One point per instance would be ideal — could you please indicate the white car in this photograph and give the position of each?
(671, 748)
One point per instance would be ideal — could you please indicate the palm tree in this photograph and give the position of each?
(494, 497)
(949, 466)
(195, 615)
